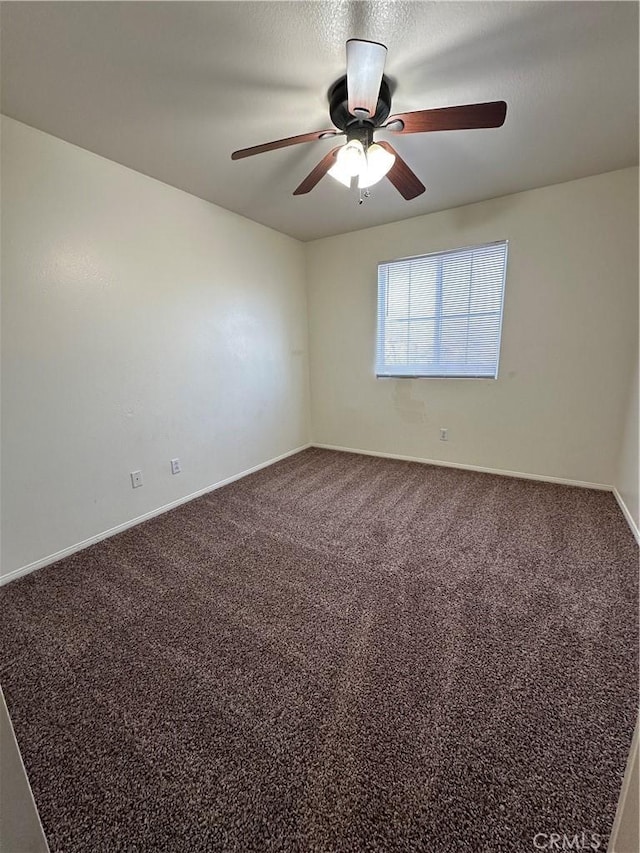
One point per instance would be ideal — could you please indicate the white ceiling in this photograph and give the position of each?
(172, 88)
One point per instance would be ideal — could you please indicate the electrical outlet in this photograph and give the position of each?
(136, 479)
(444, 434)
(175, 466)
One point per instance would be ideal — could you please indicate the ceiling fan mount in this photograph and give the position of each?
(339, 106)
(359, 105)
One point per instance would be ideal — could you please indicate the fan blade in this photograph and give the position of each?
(402, 177)
(318, 172)
(450, 118)
(365, 66)
(284, 143)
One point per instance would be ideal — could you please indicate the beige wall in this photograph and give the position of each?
(139, 324)
(569, 331)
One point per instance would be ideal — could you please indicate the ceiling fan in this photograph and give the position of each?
(359, 105)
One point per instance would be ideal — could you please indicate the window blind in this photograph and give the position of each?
(441, 314)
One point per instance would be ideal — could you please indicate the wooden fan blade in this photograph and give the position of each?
(465, 117)
(284, 143)
(318, 172)
(402, 177)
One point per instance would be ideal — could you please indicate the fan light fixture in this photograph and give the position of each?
(369, 167)
(359, 106)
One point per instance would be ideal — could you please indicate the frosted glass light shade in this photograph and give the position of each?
(339, 174)
(369, 168)
(365, 66)
(350, 161)
(378, 163)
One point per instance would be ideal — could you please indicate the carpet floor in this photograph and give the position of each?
(338, 653)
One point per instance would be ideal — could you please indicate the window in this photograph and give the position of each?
(441, 314)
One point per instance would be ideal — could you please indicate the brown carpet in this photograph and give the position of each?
(338, 653)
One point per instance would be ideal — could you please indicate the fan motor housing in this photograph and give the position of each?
(339, 110)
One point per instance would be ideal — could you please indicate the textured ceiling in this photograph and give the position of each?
(171, 89)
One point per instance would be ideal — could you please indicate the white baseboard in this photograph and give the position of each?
(625, 511)
(500, 471)
(92, 540)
